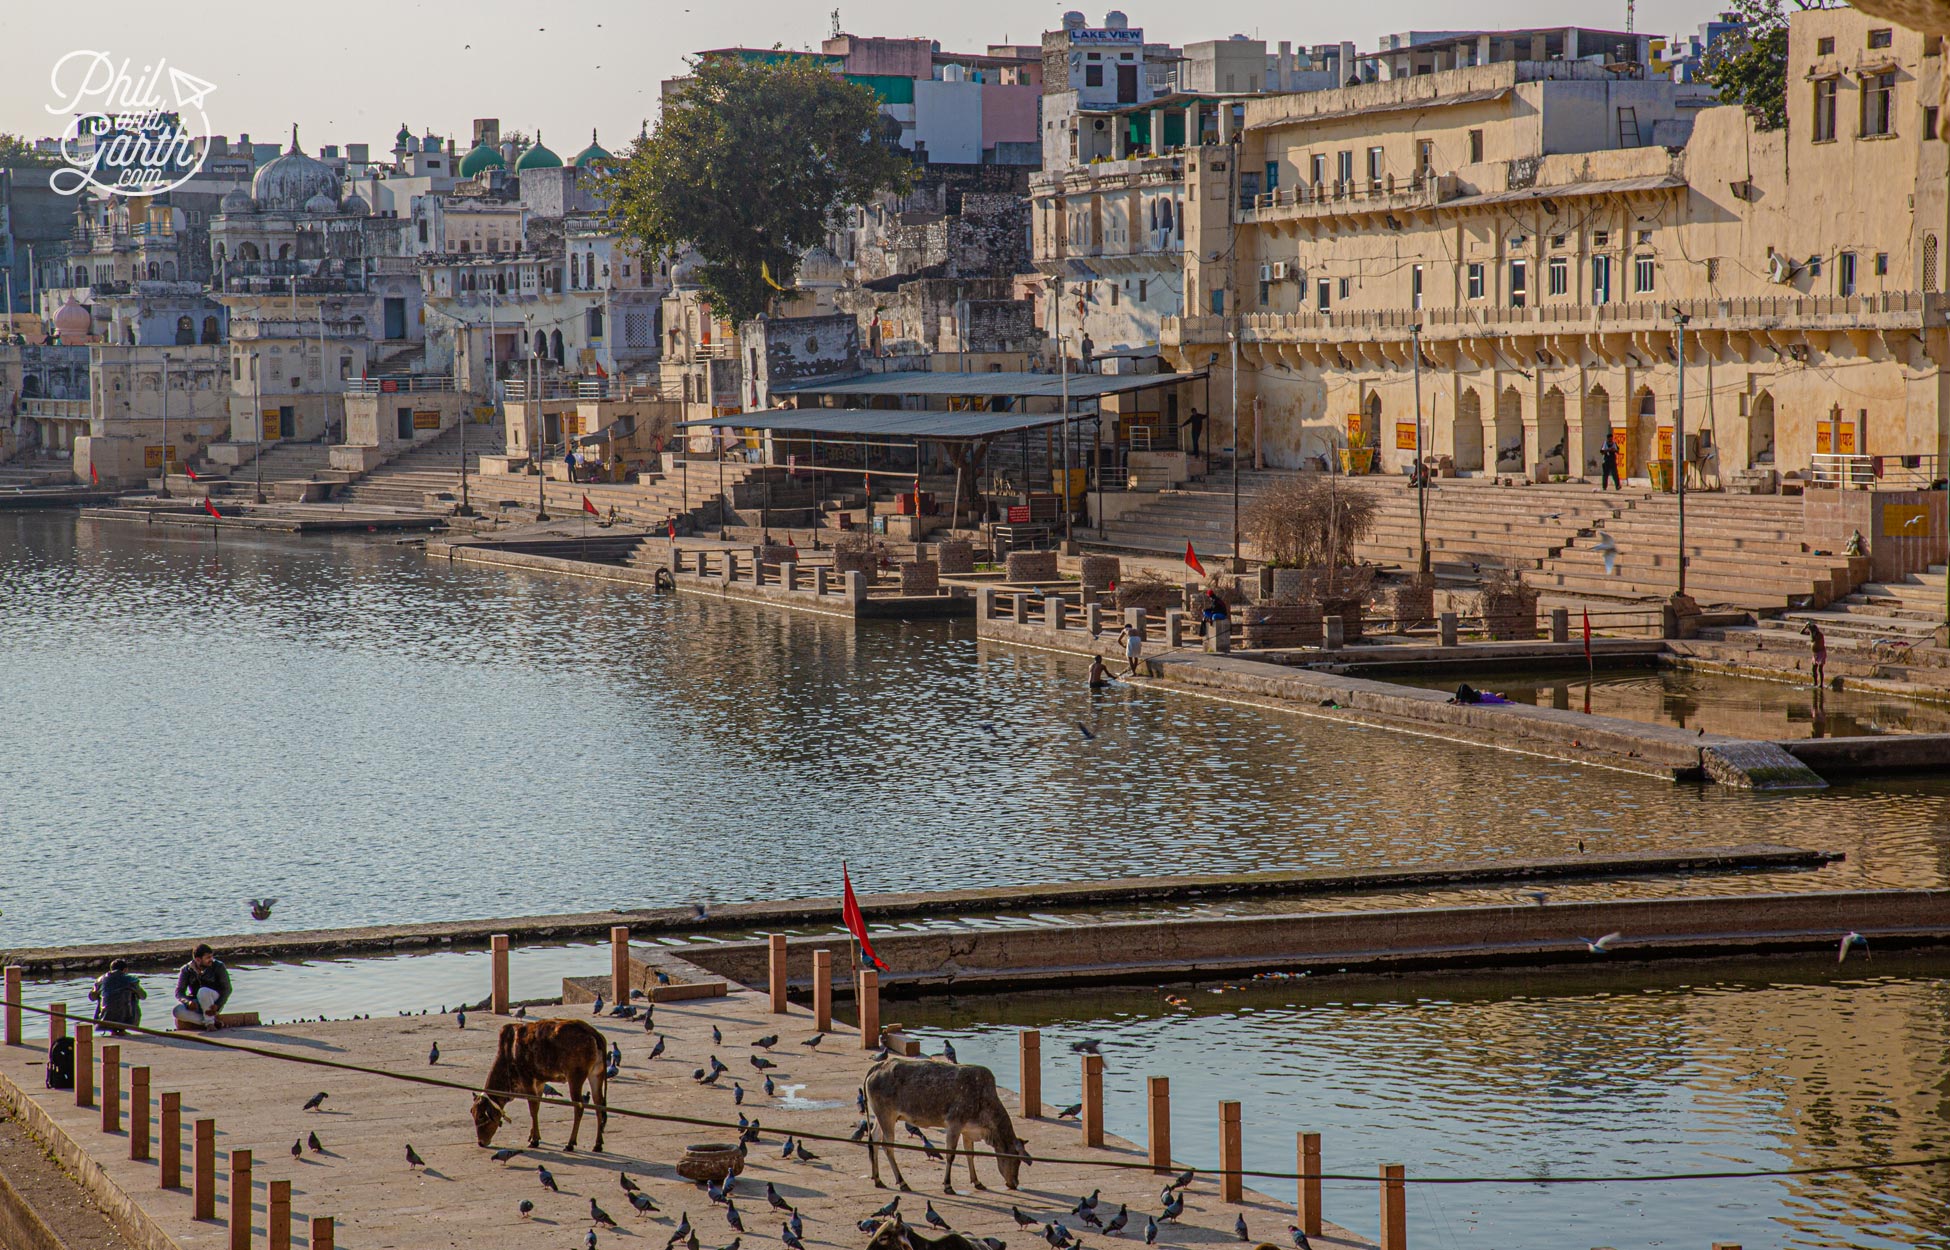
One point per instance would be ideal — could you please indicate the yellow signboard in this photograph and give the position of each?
(1665, 443)
(1824, 439)
(572, 423)
(483, 413)
(273, 423)
(426, 418)
(152, 455)
(1355, 424)
(1404, 436)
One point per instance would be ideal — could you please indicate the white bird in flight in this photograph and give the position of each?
(1601, 945)
(1608, 549)
(1852, 939)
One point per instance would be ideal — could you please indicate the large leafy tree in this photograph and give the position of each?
(17, 151)
(745, 165)
(1749, 67)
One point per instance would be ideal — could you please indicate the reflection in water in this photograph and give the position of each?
(1741, 706)
(371, 736)
(1760, 1065)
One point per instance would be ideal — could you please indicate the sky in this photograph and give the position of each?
(350, 71)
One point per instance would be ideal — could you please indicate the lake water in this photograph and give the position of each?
(374, 737)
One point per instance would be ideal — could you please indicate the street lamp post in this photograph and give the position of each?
(1680, 320)
(541, 457)
(257, 432)
(164, 492)
(1238, 558)
(1421, 466)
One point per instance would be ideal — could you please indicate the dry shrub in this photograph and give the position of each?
(1151, 591)
(1308, 521)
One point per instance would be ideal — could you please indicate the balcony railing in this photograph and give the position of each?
(408, 385)
(62, 409)
(1892, 472)
(1370, 195)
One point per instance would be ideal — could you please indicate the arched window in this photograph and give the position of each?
(555, 346)
(169, 271)
(247, 251)
(81, 275)
(209, 329)
(155, 271)
(541, 342)
(284, 251)
(185, 332)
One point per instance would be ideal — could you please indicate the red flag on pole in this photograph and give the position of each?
(672, 527)
(1587, 637)
(190, 471)
(211, 508)
(588, 507)
(1191, 558)
(94, 476)
(856, 924)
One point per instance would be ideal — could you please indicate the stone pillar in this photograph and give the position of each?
(1333, 633)
(1019, 608)
(1093, 619)
(1157, 131)
(1030, 1075)
(758, 572)
(730, 567)
(1394, 1208)
(1560, 624)
(498, 974)
(139, 1122)
(203, 1170)
(1225, 121)
(619, 963)
(867, 1000)
(111, 1088)
(1308, 1157)
(1055, 611)
(12, 994)
(1120, 138)
(820, 577)
(1218, 638)
(856, 588)
(1135, 617)
(1232, 1186)
(323, 1233)
(84, 1065)
(791, 570)
(240, 1200)
(1093, 1100)
(776, 971)
(1159, 1088)
(1446, 623)
(277, 1216)
(676, 559)
(171, 1146)
(985, 603)
(822, 991)
(1174, 628)
(57, 1022)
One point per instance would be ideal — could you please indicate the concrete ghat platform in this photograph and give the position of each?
(1116, 892)
(463, 1199)
(1523, 934)
(288, 519)
(1604, 741)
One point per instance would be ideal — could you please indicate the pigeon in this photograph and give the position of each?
(1539, 897)
(1118, 1221)
(814, 1040)
(502, 1156)
(649, 1021)
(698, 912)
(317, 1147)
(1608, 550)
(547, 1178)
(599, 1215)
(1300, 1241)
(525, 1209)
(717, 1038)
(1085, 731)
(860, 1098)
(868, 1225)
(549, 1091)
(261, 908)
(734, 1243)
(948, 1051)
(629, 1185)
(1852, 939)
(682, 1230)
(927, 1147)
(1054, 1235)
(1599, 946)
(718, 1065)
(1239, 1226)
(861, 1130)
(771, 1090)
(589, 1239)
(1090, 1218)
(713, 1078)
(715, 1190)
(1070, 1112)
(658, 1049)
(767, 1042)
(1184, 1178)
(894, 1208)
(615, 1055)
(663, 978)
(797, 1226)
(773, 1200)
(762, 1063)
(790, 1238)
(433, 1055)
(1173, 1208)
(804, 1155)
(731, 1216)
(690, 1242)
(1022, 1221)
(737, 1094)
(311, 1104)
(597, 1010)
(785, 1151)
(1150, 1230)
(1087, 1204)
(298, 1148)
(934, 1218)
(521, 1012)
(641, 1201)
(994, 1243)
(413, 1160)
(460, 1019)
(1088, 1046)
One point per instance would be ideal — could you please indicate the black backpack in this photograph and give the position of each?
(60, 1063)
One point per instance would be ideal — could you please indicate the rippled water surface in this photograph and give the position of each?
(1779, 1065)
(372, 736)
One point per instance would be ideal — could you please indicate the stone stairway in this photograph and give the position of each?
(1884, 630)
(404, 482)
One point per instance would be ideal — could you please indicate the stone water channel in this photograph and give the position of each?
(373, 737)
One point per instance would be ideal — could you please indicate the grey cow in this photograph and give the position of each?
(959, 1098)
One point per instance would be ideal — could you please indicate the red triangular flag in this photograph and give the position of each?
(672, 526)
(856, 924)
(1587, 637)
(588, 507)
(211, 508)
(93, 476)
(1191, 558)
(190, 471)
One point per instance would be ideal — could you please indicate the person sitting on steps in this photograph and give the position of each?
(118, 999)
(202, 988)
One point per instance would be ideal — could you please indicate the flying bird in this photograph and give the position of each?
(261, 908)
(1607, 549)
(1600, 946)
(311, 1104)
(413, 1160)
(1852, 939)
(1088, 1046)
(1085, 731)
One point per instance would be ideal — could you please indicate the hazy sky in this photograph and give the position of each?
(353, 70)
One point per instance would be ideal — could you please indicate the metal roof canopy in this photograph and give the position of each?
(887, 422)
(988, 385)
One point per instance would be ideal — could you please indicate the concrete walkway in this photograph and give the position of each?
(463, 1199)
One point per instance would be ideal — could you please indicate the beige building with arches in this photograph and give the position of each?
(1537, 226)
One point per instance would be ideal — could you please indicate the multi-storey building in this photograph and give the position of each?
(1530, 233)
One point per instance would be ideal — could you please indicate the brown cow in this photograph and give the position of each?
(533, 1052)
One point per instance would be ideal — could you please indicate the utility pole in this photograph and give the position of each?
(257, 432)
(164, 492)
(541, 452)
(1238, 559)
(1679, 444)
(1421, 467)
(1063, 360)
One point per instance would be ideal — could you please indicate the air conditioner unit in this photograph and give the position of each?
(1780, 270)
(1281, 271)
(1266, 273)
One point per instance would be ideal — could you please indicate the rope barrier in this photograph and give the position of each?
(1891, 1165)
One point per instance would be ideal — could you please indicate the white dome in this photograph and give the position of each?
(287, 182)
(355, 204)
(818, 264)
(321, 203)
(237, 200)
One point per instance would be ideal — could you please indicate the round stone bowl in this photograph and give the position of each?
(711, 1162)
